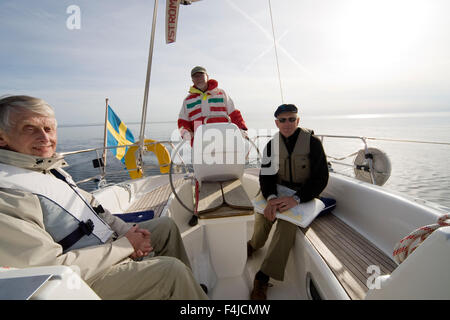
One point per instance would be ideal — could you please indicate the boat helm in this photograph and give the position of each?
(375, 159)
(219, 152)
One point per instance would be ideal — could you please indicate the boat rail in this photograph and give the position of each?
(364, 140)
(173, 150)
(251, 161)
(100, 156)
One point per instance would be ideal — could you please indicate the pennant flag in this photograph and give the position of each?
(118, 135)
(172, 11)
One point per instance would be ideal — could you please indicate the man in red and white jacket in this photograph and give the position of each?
(205, 99)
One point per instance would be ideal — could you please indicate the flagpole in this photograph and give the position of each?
(105, 138)
(147, 84)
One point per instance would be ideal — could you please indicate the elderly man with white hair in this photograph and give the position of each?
(38, 203)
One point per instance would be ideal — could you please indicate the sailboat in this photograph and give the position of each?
(361, 249)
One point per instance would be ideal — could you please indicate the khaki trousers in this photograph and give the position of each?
(282, 241)
(166, 275)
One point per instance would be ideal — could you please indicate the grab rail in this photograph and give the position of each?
(253, 144)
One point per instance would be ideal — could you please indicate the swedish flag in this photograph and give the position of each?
(118, 135)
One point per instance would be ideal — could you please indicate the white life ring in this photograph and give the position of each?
(381, 166)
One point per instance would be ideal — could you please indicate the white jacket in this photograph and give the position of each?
(25, 240)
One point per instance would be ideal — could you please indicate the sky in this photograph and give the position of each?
(336, 57)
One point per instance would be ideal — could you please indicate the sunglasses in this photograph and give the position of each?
(283, 120)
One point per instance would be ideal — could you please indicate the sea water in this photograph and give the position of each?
(418, 170)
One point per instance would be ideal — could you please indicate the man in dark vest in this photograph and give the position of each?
(293, 158)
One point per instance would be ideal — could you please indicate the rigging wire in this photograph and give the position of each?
(276, 54)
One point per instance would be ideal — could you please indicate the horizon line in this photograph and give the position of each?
(345, 116)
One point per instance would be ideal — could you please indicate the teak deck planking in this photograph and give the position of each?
(347, 253)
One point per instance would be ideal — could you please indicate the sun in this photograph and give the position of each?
(372, 36)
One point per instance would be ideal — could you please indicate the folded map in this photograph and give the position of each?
(301, 215)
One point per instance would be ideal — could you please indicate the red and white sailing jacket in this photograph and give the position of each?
(214, 102)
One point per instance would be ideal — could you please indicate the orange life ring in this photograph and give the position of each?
(162, 154)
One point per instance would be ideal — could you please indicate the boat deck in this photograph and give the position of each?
(347, 253)
(156, 199)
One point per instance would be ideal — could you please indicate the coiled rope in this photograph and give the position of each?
(405, 246)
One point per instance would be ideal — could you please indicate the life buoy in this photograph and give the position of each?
(162, 154)
(380, 163)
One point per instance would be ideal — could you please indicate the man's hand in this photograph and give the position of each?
(271, 209)
(140, 240)
(284, 203)
(186, 134)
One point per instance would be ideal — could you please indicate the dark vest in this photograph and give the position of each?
(295, 166)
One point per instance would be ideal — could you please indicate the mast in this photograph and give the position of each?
(147, 84)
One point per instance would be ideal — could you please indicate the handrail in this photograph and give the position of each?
(383, 139)
(113, 147)
(366, 148)
(413, 141)
(252, 141)
(103, 170)
(369, 138)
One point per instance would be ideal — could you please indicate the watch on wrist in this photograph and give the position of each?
(296, 198)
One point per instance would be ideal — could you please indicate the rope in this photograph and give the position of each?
(404, 247)
(276, 54)
(343, 158)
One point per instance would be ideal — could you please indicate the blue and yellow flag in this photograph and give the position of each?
(118, 135)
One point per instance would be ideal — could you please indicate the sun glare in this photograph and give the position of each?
(375, 35)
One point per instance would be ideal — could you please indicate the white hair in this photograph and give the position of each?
(16, 104)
